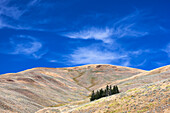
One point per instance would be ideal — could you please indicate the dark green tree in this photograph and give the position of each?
(101, 93)
(97, 94)
(104, 93)
(92, 96)
(110, 90)
(107, 90)
(114, 90)
(117, 90)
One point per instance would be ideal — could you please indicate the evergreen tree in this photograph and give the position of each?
(97, 94)
(92, 96)
(101, 93)
(107, 90)
(110, 90)
(104, 93)
(114, 90)
(107, 87)
(117, 90)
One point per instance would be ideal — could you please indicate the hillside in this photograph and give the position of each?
(147, 79)
(67, 88)
(149, 98)
(33, 89)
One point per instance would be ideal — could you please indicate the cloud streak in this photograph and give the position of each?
(92, 33)
(9, 11)
(25, 45)
(103, 55)
(9, 15)
(110, 50)
(90, 55)
(167, 49)
(123, 27)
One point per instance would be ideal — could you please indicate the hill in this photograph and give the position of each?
(67, 88)
(149, 99)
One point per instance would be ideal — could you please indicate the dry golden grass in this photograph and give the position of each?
(66, 88)
(150, 98)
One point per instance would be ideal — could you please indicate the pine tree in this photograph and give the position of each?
(107, 90)
(117, 90)
(110, 90)
(92, 96)
(101, 93)
(107, 87)
(114, 90)
(104, 93)
(97, 94)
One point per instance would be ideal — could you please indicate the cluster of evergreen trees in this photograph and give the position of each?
(104, 93)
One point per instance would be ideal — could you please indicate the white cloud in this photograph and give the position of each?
(24, 45)
(94, 56)
(33, 2)
(104, 55)
(123, 27)
(127, 31)
(167, 49)
(39, 54)
(125, 62)
(92, 33)
(10, 13)
(53, 61)
(26, 48)
(142, 63)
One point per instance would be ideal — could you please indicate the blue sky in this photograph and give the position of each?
(64, 33)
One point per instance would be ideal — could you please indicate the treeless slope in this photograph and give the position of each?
(144, 78)
(33, 89)
(95, 76)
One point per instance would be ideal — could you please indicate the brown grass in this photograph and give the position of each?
(37, 88)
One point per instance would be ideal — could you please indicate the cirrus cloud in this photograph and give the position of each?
(120, 28)
(90, 55)
(167, 49)
(92, 33)
(24, 45)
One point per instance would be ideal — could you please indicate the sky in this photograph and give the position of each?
(66, 33)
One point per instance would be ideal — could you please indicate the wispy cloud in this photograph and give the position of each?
(9, 11)
(103, 55)
(33, 2)
(167, 49)
(25, 45)
(123, 27)
(110, 51)
(92, 33)
(88, 55)
(127, 31)
(9, 14)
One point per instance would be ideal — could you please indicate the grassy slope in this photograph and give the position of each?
(129, 83)
(150, 98)
(34, 89)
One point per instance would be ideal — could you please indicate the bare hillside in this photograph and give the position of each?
(34, 89)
